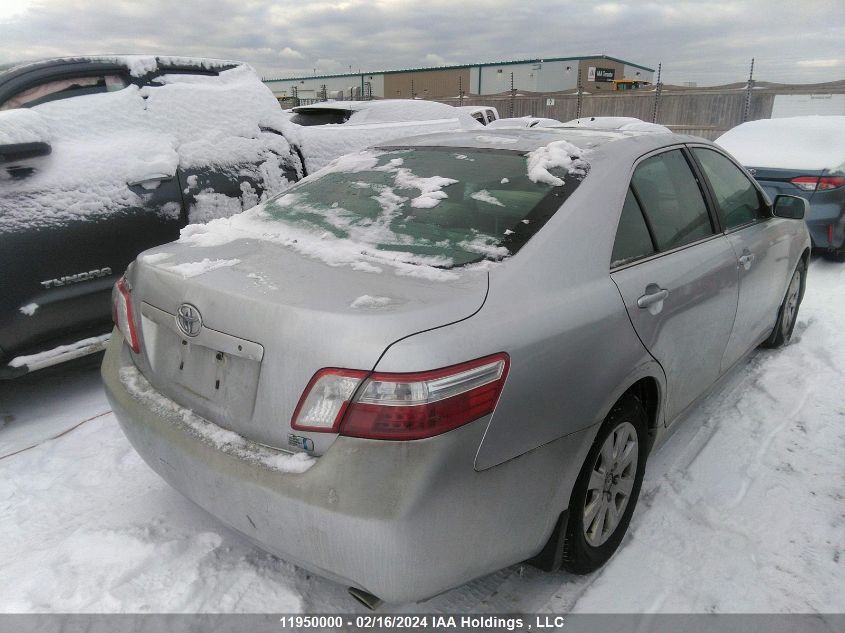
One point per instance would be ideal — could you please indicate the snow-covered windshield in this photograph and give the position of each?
(446, 205)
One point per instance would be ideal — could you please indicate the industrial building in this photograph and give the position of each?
(596, 73)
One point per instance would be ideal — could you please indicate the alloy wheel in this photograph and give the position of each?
(611, 484)
(790, 308)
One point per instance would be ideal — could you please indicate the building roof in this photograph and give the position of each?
(459, 66)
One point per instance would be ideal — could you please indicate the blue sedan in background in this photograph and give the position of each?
(800, 156)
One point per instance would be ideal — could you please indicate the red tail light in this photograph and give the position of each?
(401, 406)
(830, 182)
(816, 183)
(121, 311)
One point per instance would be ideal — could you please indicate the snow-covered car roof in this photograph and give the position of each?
(801, 142)
(525, 121)
(620, 123)
(388, 110)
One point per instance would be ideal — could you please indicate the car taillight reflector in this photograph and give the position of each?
(121, 311)
(325, 399)
(419, 405)
(818, 183)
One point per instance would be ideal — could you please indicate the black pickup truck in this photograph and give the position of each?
(102, 158)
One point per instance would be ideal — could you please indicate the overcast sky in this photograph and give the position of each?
(706, 42)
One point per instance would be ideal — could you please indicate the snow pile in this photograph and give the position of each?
(194, 269)
(23, 126)
(221, 439)
(431, 189)
(803, 142)
(368, 301)
(485, 196)
(29, 309)
(556, 155)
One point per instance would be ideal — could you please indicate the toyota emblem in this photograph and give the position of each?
(189, 319)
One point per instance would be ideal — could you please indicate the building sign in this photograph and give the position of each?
(600, 74)
(550, 101)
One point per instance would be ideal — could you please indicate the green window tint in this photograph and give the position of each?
(736, 197)
(632, 237)
(454, 205)
(671, 200)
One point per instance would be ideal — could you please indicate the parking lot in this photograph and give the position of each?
(741, 510)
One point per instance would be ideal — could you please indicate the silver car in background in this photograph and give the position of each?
(432, 360)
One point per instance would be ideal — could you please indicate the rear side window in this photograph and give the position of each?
(65, 89)
(671, 200)
(632, 237)
(737, 199)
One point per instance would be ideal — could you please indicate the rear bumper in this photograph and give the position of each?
(401, 520)
(819, 220)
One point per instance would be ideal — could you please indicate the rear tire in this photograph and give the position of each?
(607, 488)
(788, 311)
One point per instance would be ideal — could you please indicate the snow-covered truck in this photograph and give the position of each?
(102, 158)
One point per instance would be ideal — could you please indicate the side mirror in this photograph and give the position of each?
(790, 207)
(15, 152)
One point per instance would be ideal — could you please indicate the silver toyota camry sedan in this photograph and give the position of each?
(432, 360)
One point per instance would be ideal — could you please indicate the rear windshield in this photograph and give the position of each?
(450, 206)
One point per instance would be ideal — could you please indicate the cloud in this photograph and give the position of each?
(433, 59)
(288, 53)
(696, 40)
(819, 63)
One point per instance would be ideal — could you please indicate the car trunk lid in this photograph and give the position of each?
(777, 182)
(270, 319)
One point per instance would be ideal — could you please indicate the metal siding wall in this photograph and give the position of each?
(429, 84)
(554, 76)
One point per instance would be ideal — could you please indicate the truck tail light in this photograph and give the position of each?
(818, 183)
(121, 312)
(386, 406)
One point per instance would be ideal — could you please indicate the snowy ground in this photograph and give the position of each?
(742, 510)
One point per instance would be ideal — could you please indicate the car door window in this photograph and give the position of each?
(64, 89)
(671, 200)
(737, 199)
(633, 240)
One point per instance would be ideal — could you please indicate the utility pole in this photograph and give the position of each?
(460, 91)
(748, 90)
(513, 96)
(413, 94)
(580, 98)
(657, 93)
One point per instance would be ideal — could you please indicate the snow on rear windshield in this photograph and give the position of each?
(440, 206)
